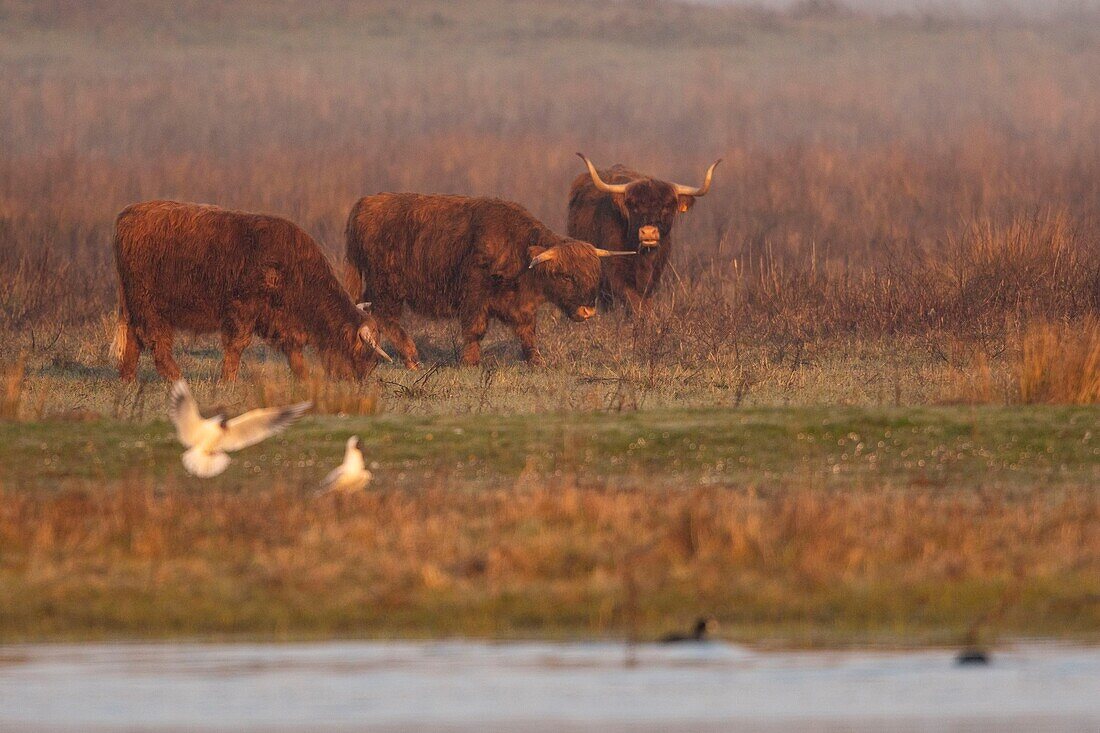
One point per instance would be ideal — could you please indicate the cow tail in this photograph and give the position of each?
(122, 328)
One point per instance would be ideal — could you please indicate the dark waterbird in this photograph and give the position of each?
(972, 656)
(697, 633)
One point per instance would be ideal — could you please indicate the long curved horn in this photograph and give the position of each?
(369, 339)
(598, 182)
(682, 190)
(546, 256)
(613, 252)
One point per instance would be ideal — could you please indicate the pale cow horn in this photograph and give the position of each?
(546, 256)
(598, 182)
(369, 339)
(682, 190)
(613, 252)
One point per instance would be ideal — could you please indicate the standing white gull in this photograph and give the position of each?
(209, 440)
(351, 475)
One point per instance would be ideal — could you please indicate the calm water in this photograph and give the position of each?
(470, 686)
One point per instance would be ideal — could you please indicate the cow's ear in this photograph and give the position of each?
(685, 203)
(541, 254)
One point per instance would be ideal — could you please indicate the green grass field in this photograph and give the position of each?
(953, 448)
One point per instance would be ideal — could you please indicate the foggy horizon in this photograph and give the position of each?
(979, 7)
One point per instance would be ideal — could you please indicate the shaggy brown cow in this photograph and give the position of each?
(470, 258)
(623, 210)
(204, 269)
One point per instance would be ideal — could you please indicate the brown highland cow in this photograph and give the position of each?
(623, 210)
(470, 258)
(204, 269)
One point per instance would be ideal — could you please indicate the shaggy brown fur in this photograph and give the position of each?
(204, 269)
(613, 221)
(464, 258)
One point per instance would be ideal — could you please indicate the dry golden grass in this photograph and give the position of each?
(809, 565)
(12, 376)
(1051, 363)
(1061, 363)
(329, 397)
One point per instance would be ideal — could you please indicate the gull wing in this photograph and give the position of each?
(333, 476)
(256, 425)
(185, 414)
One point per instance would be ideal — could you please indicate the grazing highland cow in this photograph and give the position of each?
(623, 210)
(204, 269)
(470, 258)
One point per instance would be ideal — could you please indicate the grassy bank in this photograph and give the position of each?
(795, 526)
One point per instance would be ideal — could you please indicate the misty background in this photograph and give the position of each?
(980, 7)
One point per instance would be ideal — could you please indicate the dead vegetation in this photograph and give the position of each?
(808, 565)
(1061, 364)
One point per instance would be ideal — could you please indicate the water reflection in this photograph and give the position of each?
(470, 686)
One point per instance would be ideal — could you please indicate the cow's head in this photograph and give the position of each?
(366, 337)
(359, 351)
(648, 205)
(569, 275)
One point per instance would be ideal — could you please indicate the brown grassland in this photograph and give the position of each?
(906, 223)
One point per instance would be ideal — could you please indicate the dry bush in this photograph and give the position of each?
(1060, 363)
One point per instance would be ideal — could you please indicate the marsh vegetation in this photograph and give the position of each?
(854, 391)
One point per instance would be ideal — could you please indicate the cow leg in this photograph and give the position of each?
(296, 361)
(162, 339)
(637, 291)
(639, 304)
(474, 325)
(525, 332)
(401, 341)
(523, 326)
(655, 277)
(234, 341)
(131, 354)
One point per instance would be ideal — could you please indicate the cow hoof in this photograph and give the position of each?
(412, 366)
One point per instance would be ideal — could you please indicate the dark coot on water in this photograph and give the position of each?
(697, 633)
(972, 656)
